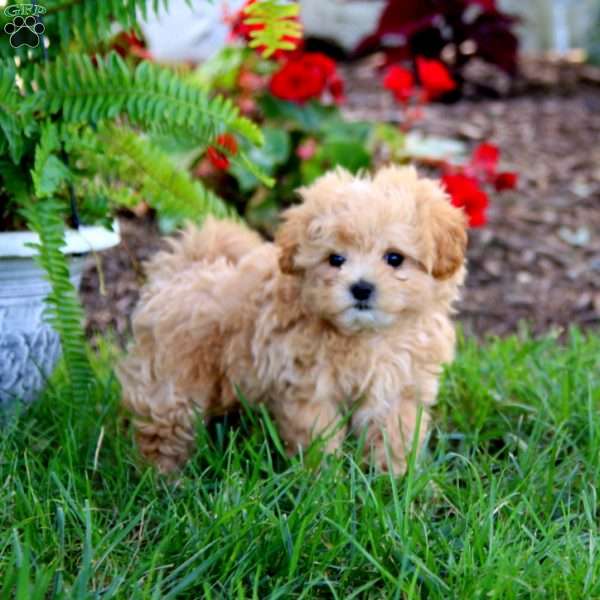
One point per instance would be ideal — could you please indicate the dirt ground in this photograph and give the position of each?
(537, 261)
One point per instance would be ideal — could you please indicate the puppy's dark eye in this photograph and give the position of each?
(336, 260)
(393, 259)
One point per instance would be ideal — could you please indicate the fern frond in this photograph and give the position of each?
(279, 25)
(11, 128)
(63, 310)
(92, 20)
(49, 172)
(168, 189)
(147, 94)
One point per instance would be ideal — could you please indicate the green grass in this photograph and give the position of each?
(503, 504)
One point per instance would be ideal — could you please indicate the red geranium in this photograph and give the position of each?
(400, 82)
(485, 160)
(218, 158)
(484, 165)
(307, 76)
(434, 77)
(506, 181)
(466, 194)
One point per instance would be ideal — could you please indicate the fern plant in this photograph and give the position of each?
(76, 120)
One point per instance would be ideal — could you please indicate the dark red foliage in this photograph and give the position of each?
(411, 28)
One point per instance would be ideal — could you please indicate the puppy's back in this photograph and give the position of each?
(216, 239)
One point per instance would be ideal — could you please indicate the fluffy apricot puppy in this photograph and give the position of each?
(348, 312)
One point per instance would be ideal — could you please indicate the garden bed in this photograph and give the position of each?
(537, 259)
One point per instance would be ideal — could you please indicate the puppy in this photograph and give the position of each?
(347, 312)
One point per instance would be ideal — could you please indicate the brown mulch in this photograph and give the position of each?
(538, 258)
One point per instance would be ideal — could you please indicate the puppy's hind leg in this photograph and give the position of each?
(164, 418)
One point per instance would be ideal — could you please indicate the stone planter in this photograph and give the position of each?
(29, 347)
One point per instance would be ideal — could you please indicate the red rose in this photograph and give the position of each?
(435, 78)
(306, 76)
(506, 181)
(400, 82)
(466, 194)
(218, 158)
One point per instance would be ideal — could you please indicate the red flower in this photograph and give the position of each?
(506, 181)
(400, 82)
(485, 160)
(306, 76)
(435, 78)
(336, 87)
(128, 43)
(466, 194)
(219, 159)
(238, 26)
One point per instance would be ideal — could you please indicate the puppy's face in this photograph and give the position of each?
(370, 251)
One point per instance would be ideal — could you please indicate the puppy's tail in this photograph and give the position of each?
(216, 239)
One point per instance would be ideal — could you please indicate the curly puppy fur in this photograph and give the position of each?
(223, 310)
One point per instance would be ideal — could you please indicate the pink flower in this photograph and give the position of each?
(307, 149)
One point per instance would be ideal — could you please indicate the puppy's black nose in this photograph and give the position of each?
(362, 290)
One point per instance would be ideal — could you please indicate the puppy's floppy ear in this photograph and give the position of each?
(288, 239)
(445, 229)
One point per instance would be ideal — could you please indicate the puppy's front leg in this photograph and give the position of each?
(300, 421)
(390, 429)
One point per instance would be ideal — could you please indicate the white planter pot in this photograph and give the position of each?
(29, 347)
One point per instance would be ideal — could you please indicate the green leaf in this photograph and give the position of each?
(309, 117)
(222, 70)
(63, 309)
(162, 184)
(275, 151)
(149, 95)
(49, 172)
(336, 152)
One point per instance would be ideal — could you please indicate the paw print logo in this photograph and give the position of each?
(24, 31)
